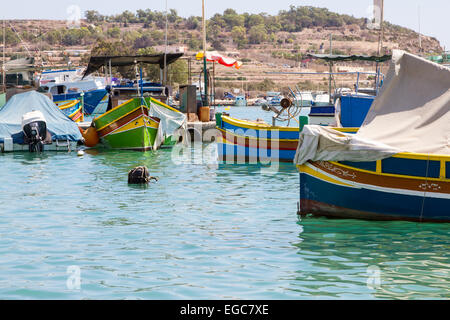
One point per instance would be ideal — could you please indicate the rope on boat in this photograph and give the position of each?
(425, 191)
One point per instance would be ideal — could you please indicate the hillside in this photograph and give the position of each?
(265, 43)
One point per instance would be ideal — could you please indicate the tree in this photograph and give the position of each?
(192, 23)
(239, 36)
(232, 19)
(93, 16)
(114, 32)
(218, 45)
(257, 34)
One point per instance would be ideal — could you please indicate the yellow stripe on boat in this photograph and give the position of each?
(68, 105)
(382, 174)
(137, 123)
(254, 125)
(319, 175)
(115, 120)
(254, 138)
(113, 109)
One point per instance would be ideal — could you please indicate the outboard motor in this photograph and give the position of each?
(35, 129)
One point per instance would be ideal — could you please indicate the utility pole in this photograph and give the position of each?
(165, 52)
(331, 68)
(380, 47)
(4, 58)
(205, 71)
(380, 42)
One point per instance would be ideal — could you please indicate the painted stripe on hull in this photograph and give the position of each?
(234, 153)
(121, 122)
(361, 178)
(268, 133)
(323, 198)
(135, 139)
(231, 138)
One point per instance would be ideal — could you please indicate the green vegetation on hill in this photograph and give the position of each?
(144, 28)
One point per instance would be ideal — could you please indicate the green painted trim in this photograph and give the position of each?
(132, 139)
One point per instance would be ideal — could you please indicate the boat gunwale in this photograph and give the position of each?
(68, 105)
(391, 175)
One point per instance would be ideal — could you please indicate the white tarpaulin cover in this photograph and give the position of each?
(411, 114)
(59, 125)
(173, 123)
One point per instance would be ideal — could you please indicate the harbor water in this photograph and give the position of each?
(72, 228)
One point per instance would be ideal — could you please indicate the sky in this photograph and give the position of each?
(434, 14)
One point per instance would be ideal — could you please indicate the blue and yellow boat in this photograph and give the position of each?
(251, 141)
(397, 167)
(72, 109)
(406, 186)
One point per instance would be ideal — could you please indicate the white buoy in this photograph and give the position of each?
(80, 153)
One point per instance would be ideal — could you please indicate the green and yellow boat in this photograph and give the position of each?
(128, 126)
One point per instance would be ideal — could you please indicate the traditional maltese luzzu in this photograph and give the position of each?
(397, 167)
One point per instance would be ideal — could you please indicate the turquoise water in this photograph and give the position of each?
(204, 231)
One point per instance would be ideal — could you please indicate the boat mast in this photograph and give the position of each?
(380, 46)
(165, 51)
(205, 71)
(331, 70)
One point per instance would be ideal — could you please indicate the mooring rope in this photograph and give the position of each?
(425, 190)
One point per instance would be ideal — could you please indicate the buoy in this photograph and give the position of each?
(140, 175)
(90, 137)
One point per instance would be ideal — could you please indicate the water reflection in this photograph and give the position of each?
(412, 258)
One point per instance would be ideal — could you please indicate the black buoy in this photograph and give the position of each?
(140, 175)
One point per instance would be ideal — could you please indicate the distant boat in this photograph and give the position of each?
(274, 98)
(251, 141)
(240, 101)
(93, 92)
(322, 99)
(73, 109)
(304, 99)
(260, 102)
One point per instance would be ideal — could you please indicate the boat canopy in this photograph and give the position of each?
(411, 114)
(339, 58)
(96, 63)
(58, 124)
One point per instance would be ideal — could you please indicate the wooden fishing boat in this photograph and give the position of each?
(250, 141)
(406, 186)
(128, 126)
(397, 167)
(73, 109)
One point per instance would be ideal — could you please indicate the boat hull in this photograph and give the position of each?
(127, 127)
(247, 141)
(95, 101)
(403, 187)
(73, 110)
